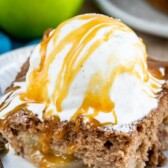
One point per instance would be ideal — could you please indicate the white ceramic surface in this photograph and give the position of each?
(139, 14)
(10, 64)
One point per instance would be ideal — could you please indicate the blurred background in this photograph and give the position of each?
(22, 23)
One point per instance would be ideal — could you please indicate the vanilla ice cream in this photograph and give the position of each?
(91, 65)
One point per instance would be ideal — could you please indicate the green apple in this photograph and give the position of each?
(27, 19)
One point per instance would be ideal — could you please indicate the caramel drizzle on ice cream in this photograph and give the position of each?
(99, 100)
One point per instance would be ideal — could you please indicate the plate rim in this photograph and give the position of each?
(17, 50)
(133, 21)
(13, 59)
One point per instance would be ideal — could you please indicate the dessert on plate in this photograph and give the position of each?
(88, 97)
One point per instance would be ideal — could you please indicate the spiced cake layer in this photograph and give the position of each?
(135, 145)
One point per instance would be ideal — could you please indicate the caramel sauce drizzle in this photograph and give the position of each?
(8, 99)
(8, 116)
(50, 161)
(51, 157)
(99, 101)
(154, 68)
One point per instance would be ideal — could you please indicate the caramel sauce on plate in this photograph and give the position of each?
(154, 68)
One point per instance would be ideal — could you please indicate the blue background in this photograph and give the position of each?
(7, 43)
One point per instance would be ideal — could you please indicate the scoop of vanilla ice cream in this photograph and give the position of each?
(91, 65)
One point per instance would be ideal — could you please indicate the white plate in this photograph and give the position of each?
(10, 65)
(138, 14)
(13, 161)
